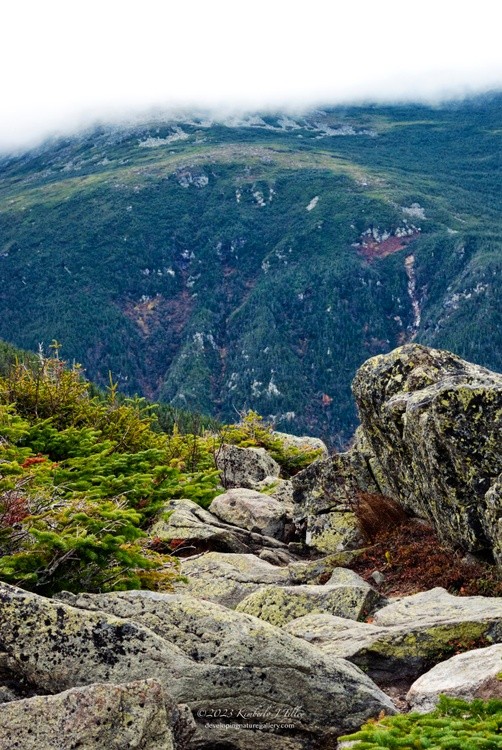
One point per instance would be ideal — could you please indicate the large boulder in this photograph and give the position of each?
(324, 496)
(189, 529)
(426, 635)
(434, 423)
(345, 594)
(493, 515)
(229, 578)
(135, 715)
(57, 647)
(475, 674)
(245, 467)
(251, 510)
(303, 443)
(437, 605)
(284, 694)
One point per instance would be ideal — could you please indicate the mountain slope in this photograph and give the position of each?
(258, 261)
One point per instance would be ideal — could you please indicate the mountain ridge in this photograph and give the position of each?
(224, 268)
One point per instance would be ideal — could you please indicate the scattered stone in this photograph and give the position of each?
(245, 467)
(345, 595)
(134, 715)
(475, 674)
(378, 577)
(251, 510)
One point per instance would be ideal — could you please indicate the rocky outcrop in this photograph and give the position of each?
(475, 674)
(346, 595)
(245, 467)
(135, 715)
(283, 694)
(251, 510)
(433, 423)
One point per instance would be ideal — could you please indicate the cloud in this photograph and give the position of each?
(67, 63)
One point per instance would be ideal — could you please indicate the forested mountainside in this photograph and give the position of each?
(257, 261)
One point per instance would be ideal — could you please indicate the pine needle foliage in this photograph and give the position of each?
(83, 473)
(455, 725)
(254, 431)
(81, 476)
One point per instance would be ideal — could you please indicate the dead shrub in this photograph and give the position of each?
(377, 513)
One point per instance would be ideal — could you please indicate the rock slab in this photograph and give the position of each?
(475, 674)
(135, 715)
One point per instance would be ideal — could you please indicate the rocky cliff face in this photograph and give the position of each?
(431, 439)
(434, 425)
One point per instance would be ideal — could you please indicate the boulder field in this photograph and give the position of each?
(270, 640)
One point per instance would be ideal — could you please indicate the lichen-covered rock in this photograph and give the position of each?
(289, 692)
(406, 650)
(251, 510)
(229, 578)
(135, 715)
(437, 605)
(186, 525)
(245, 467)
(57, 647)
(346, 595)
(475, 674)
(493, 515)
(333, 532)
(324, 497)
(185, 521)
(330, 484)
(303, 443)
(212, 634)
(434, 425)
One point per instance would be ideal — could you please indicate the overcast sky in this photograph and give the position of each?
(65, 63)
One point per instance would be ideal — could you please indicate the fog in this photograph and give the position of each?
(65, 65)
